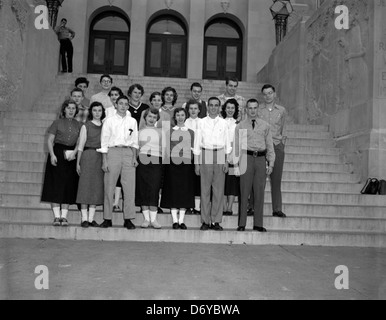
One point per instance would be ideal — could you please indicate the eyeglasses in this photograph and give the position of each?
(106, 81)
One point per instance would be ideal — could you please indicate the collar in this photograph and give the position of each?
(136, 108)
(168, 109)
(180, 128)
(264, 106)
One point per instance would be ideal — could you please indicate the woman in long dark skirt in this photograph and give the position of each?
(178, 191)
(149, 170)
(61, 179)
(89, 166)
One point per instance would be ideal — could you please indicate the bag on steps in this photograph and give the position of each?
(382, 187)
(371, 186)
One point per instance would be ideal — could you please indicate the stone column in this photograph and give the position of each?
(196, 39)
(138, 38)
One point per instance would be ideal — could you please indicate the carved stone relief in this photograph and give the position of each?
(337, 70)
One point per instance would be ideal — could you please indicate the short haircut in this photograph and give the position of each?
(136, 86)
(252, 101)
(268, 86)
(122, 98)
(154, 94)
(106, 76)
(120, 92)
(82, 80)
(65, 104)
(77, 90)
(196, 84)
(193, 102)
(235, 103)
(94, 105)
(233, 79)
(177, 110)
(175, 95)
(214, 98)
(153, 111)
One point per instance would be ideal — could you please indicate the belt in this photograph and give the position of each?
(213, 150)
(257, 154)
(124, 147)
(89, 148)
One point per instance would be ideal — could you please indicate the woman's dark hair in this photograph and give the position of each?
(153, 111)
(224, 107)
(65, 104)
(175, 95)
(193, 102)
(154, 94)
(116, 89)
(177, 110)
(93, 105)
(136, 86)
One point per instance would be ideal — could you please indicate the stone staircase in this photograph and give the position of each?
(320, 194)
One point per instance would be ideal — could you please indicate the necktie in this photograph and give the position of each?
(253, 124)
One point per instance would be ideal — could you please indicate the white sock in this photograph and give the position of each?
(197, 201)
(174, 215)
(117, 195)
(64, 213)
(91, 214)
(56, 211)
(182, 215)
(146, 214)
(153, 216)
(84, 214)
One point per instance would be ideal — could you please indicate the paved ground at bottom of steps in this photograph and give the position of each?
(148, 271)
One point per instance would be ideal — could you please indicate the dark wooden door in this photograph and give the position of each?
(109, 52)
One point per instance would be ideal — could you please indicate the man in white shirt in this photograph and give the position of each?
(103, 97)
(119, 146)
(212, 148)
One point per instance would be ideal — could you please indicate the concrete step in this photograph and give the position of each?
(18, 115)
(25, 130)
(291, 210)
(30, 166)
(36, 156)
(299, 142)
(39, 216)
(35, 188)
(307, 135)
(273, 237)
(293, 176)
(288, 197)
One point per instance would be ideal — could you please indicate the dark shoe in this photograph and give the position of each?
(84, 224)
(196, 212)
(211, 226)
(251, 212)
(176, 226)
(106, 224)
(279, 214)
(183, 226)
(93, 224)
(160, 210)
(259, 229)
(128, 225)
(64, 222)
(204, 227)
(117, 209)
(57, 222)
(217, 227)
(241, 229)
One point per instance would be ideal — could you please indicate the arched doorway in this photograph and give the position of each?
(109, 44)
(166, 47)
(222, 50)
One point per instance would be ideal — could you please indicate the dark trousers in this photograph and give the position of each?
(276, 178)
(66, 52)
(255, 176)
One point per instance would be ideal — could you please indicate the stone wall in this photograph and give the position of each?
(28, 57)
(335, 78)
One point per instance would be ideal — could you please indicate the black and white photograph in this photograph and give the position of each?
(195, 156)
